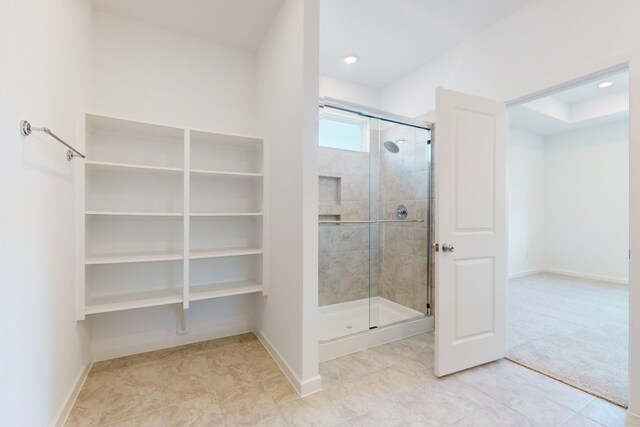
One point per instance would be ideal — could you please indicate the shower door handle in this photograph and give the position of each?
(448, 247)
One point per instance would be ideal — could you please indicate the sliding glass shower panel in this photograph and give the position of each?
(344, 256)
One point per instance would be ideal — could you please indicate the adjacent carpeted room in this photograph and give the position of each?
(568, 294)
(574, 330)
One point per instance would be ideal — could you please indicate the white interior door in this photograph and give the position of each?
(470, 231)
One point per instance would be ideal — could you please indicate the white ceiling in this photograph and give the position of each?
(591, 91)
(236, 23)
(394, 37)
(580, 107)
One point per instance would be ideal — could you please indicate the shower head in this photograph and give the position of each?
(392, 147)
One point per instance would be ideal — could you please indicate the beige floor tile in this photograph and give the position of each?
(234, 382)
(213, 416)
(312, 411)
(127, 402)
(280, 390)
(186, 387)
(225, 377)
(239, 403)
(532, 404)
(564, 394)
(423, 409)
(266, 418)
(383, 415)
(191, 364)
(191, 413)
(84, 416)
(495, 414)
(226, 356)
(141, 375)
(359, 397)
(95, 388)
(147, 420)
(265, 368)
(492, 380)
(605, 413)
(581, 421)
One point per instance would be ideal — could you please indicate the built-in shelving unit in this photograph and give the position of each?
(171, 215)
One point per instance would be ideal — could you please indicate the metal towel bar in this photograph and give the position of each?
(25, 130)
(369, 221)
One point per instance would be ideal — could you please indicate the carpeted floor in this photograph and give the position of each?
(574, 330)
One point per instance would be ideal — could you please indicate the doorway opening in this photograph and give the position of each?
(568, 171)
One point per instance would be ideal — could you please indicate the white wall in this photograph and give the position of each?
(44, 61)
(288, 110)
(149, 73)
(569, 202)
(543, 45)
(526, 202)
(347, 91)
(144, 72)
(587, 202)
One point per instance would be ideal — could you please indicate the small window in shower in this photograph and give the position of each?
(346, 132)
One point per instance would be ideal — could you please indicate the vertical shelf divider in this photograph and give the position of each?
(263, 219)
(187, 205)
(79, 175)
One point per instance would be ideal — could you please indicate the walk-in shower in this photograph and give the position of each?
(374, 218)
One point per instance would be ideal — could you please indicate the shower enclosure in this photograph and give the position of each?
(374, 221)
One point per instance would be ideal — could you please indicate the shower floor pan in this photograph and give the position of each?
(344, 327)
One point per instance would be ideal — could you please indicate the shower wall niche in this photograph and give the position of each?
(373, 265)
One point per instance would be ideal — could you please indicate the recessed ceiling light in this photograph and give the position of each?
(604, 85)
(351, 59)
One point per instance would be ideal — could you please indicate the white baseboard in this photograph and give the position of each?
(526, 273)
(71, 397)
(374, 337)
(304, 388)
(609, 279)
(142, 343)
(618, 280)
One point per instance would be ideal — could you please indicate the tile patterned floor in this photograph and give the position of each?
(233, 382)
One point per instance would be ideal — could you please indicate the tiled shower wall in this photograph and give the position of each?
(344, 250)
(404, 179)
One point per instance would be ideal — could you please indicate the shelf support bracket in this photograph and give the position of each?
(181, 327)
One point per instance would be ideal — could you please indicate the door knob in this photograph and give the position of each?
(448, 247)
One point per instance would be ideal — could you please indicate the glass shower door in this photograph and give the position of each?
(399, 238)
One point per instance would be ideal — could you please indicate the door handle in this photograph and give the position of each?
(448, 247)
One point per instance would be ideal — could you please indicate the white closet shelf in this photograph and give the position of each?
(109, 213)
(109, 303)
(226, 174)
(130, 166)
(221, 253)
(230, 214)
(136, 257)
(218, 290)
